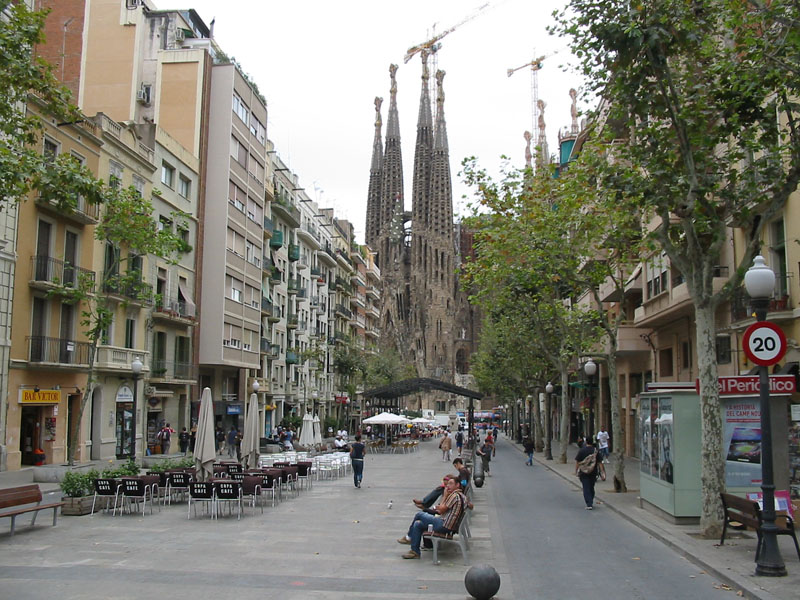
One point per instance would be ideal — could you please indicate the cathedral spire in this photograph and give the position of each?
(375, 181)
(391, 202)
(440, 216)
(420, 191)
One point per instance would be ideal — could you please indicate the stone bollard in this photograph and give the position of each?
(477, 472)
(482, 582)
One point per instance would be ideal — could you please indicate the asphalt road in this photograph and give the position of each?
(557, 549)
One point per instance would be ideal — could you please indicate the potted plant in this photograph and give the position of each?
(77, 488)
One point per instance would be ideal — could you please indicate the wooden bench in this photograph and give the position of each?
(25, 494)
(748, 514)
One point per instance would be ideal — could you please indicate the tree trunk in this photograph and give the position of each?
(538, 434)
(712, 468)
(74, 436)
(617, 432)
(565, 414)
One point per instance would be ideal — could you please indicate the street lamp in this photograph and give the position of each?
(136, 368)
(519, 420)
(548, 451)
(505, 417)
(760, 283)
(590, 368)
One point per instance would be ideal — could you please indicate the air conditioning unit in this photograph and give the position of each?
(131, 4)
(143, 95)
(180, 35)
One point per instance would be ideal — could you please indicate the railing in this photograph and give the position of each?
(276, 241)
(291, 357)
(135, 290)
(294, 252)
(61, 351)
(174, 308)
(58, 272)
(170, 369)
(316, 272)
(343, 311)
(269, 227)
(740, 301)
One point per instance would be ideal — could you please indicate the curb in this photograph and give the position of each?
(669, 541)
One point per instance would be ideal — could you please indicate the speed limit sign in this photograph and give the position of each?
(764, 343)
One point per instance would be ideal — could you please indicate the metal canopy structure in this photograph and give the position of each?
(424, 384)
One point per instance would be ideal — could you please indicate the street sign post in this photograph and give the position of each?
(764, 343)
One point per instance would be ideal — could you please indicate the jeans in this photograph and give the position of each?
(429, 500)
(358, 470)
(420, 525)
(588, 481)
(603, 453)
(530, 458)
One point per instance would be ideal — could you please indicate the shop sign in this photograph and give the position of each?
(234, 409)
(28, 396)
(748, 385)
(124, 394)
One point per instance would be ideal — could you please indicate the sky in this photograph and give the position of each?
(320, 64)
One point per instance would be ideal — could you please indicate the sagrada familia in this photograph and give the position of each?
(426, 314)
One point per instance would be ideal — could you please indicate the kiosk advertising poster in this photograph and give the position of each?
(664, 422)
(741, 442)
(656, 442)
(644, 428)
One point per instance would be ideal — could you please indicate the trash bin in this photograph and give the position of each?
(38, 457)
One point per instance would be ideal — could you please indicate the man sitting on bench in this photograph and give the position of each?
(463, 477)
(445, 519)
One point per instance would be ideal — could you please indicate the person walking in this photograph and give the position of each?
(602, 444)
(219, 439)
(527, 444)
(164, 436)
(485, 452)
(587, 468)
(446, 445)
(192, 438)
(460, 441)
(357, 460)
(232, 442)
(183, 441)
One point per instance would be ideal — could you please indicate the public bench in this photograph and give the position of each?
(16, 498)
(747, 513)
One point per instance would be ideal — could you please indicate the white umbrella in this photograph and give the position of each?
(307, 432)
(317, 432)
(205, 452)
(250, 437)
(421, 421)
(386, 418)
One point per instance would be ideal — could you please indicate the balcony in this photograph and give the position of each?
(269, 227)
(341, 338)
(169, 371)
(82, 213)
(342, 285)
(357, 280)
(284, 208)
(273, 314)
(672, 303)
(373, 273)
(118, 360)
(58, 351)
(373, 311)
(272, 351)
(48, 273)
(292, 357)
(781, 308)
(174, 311)
(302, 326)
(327, 255)
(293, 285)
(291, 321)
(321, 279)
(276, 241)
(373, 292)
(136, 292)
(309, 234)
(343, 312)
(358, 299)
(294, 252)
(302, 294)
(275, 275)
(344, 260)
(372, 332)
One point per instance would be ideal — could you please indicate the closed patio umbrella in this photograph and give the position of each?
(250, 437)
(317, 432)
(205, 452)
(307, 432)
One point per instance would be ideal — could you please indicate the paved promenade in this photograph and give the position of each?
(732, 563)
(334, 541)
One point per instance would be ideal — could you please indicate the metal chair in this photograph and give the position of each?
(105, 488)
(136, 491)
(251, 488)
(269, 484)
(228, 492)
(304, 478)
(200, 491)
(177, 483)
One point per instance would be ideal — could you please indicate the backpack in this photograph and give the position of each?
(165, 434)
(588, 464)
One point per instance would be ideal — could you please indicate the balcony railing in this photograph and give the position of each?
(138, 291)
(174, 308)
(58, 351)
(57, 272)
(345, 312)
(740, 301)
(276, 241)
(173, 370)
(294, 252)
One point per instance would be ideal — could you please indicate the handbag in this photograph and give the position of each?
(588, 464)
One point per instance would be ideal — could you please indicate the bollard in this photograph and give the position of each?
(477, 472)
(482, 582)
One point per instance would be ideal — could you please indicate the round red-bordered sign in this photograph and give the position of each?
(764, 343)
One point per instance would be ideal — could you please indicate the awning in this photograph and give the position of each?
(191, 309)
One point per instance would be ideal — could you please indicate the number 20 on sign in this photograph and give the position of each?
(764, 343)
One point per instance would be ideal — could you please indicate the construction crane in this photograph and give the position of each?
(432, 45)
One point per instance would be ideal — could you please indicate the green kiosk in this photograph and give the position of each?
(669, 442)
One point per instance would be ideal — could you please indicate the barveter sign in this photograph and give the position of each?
(747, 385)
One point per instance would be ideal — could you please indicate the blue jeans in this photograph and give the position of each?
(420, 525)
(530, 458)
(358, 470)
(587, 481)
(430, 499)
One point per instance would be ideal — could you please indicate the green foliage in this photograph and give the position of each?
(165, 465)
(386, 367)
(23, 76)
(330, 423)
(77, 484)
(127, 469)
(292, 421)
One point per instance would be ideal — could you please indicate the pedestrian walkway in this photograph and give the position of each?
(334, 541)
(731, 563)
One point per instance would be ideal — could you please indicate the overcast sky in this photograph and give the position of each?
(320, 64)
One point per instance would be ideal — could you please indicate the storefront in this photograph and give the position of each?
(39, 410)
(123, 421)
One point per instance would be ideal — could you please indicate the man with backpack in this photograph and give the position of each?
(587, 468)
(164, 436)
(460, 441)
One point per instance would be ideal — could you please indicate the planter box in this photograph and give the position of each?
(79, 506)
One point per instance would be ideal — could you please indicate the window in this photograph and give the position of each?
(236, 196)
(657, 278)
(253, 296)
(234, 288)
(258, 130)
(115, 174)
(686, 355)
(235, 242)
(240, 108)
(256, 170)
(50, 149)
(184, 187)
(723, 348)
(130, 333)
(252, 253)
(167, 175)
(239, 151)
(254, 212)
(183, 233)
(665, 362)
(138, 185)
(249, 339)
(164, 224)
(231, 336)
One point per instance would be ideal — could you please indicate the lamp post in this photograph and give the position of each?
(590, 368)
(760, 283)
(519, 420)
(136, 368)
(505, 419)
(548, 451)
